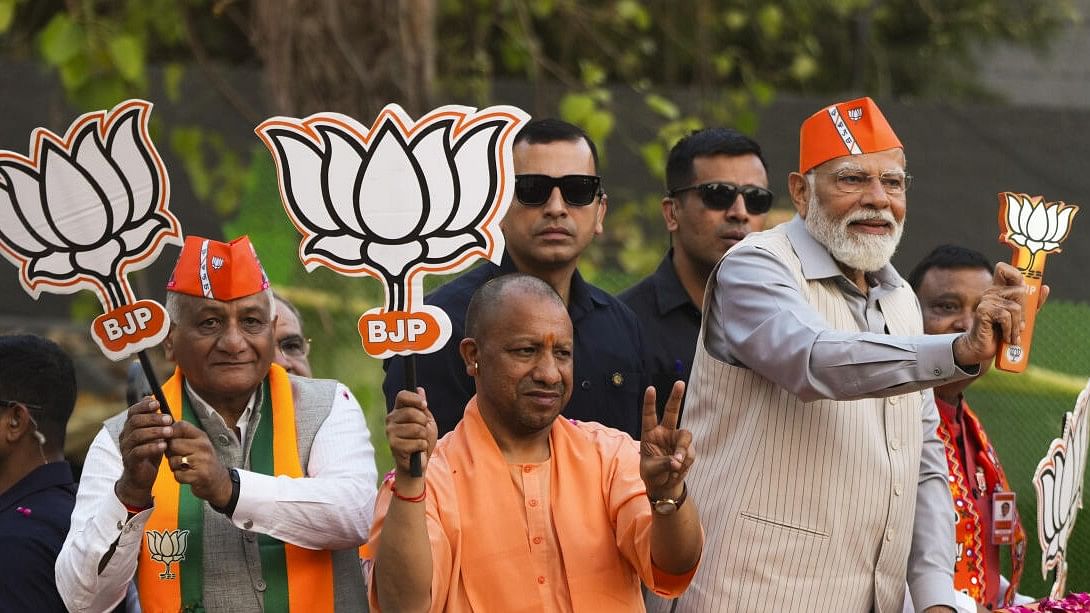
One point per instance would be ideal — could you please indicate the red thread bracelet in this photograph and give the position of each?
(135, 510)
(418, 498)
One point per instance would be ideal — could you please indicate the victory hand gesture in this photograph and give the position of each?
(666, 453)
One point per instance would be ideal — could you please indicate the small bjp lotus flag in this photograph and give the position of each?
(1033, 229)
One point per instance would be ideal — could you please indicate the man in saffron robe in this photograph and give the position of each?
(192, 508)
(522, 511)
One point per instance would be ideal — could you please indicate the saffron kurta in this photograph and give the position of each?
(502, 539)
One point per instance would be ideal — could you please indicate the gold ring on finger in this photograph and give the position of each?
(185, 461)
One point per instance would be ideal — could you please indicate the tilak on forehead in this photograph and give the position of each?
(221, 271)
(854, 127)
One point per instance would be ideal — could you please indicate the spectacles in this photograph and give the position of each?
(721, 196)
(854, 181)
(7, 404)
(577, 190)
(294, 346)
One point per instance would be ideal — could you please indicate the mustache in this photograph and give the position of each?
(869, 215)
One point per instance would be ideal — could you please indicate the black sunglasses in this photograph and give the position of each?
(721, 196)
(577, 190)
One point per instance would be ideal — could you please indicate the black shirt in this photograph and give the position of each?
(670, 323)
(31, 539)
(608, 377)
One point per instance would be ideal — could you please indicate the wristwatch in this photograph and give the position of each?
(669, 506)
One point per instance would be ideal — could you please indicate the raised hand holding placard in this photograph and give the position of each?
(1033, 229)
(83, 211)
(396, 201)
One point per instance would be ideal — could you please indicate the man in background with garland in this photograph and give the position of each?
(949, 283)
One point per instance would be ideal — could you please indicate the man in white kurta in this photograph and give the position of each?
(824, 482)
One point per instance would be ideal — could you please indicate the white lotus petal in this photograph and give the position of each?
(136, 238)
(1018, 239)
(475, 160)
(431, 154)
(101, 259)
(1023, 215)
(345, 165)
(1063, 223)
(28, 198)
(1037, 226)
(13, 230)
(55, 263)
(87, 152)
(1049, 245)
(1033, 245)
(394, 258)
(344, 249)
(1014, 206)
(134, 157)
(167, 546)
(71, 201)
(302, 167)
(392, 206)
(444, 247)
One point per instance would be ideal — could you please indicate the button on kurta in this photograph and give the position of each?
(260, 585)
(246, 525)
(895, 444)
(889, 534)
(223, 440)
(541, 580)
(898, 490)
(533, 502)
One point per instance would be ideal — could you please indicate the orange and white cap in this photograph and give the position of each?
(220, 271)
(854, 127)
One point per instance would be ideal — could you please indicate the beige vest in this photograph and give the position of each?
(232, 562)
(807, 506)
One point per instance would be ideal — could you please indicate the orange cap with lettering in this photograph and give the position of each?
(846, 128)
(220, 271)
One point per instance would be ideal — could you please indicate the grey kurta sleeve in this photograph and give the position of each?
(931, 559)
(760, 319)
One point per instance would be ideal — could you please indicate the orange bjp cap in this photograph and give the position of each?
(845, 128)
(220, 271)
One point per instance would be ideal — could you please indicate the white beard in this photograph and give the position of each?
(864, 252)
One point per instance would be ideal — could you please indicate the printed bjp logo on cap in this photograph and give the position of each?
(83, 210)
(396, 201)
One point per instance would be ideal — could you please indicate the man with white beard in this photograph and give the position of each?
(824, 483)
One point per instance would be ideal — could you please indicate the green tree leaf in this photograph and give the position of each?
(127, 53)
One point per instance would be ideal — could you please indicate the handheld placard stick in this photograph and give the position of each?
(396, 201)
(82, 211)
(1033, 229)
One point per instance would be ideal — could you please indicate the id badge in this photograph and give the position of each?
(1003, 514)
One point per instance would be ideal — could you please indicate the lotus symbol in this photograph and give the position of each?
(84, 209)
(1059, 481)
(168, 548)
(395, 201)
(1038, 226)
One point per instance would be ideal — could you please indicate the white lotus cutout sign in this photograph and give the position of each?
(396, 201)
(83, 210)
(1058, 481)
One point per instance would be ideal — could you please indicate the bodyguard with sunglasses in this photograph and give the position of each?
(558, 209)
(37, 395)
(716, 194)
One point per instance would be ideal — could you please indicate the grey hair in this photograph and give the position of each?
(173, 305)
